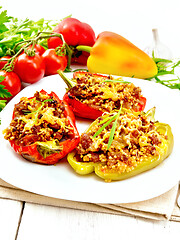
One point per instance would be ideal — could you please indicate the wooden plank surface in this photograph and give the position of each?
(45, 222)
(10, 216)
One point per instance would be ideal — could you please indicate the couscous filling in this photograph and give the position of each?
(136, 138)
(106, 93)
(38, 119)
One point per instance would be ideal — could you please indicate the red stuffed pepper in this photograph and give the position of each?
(43, 128)
(90, 95)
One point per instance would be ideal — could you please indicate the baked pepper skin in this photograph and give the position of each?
(80, 109)
(113, 54)
(31, 153)
(83, 110)
(84, 168)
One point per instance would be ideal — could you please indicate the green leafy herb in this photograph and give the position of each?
(4, 93)
(4, 19)
(105, 123)
(2, 104)
(166, 73)
(14, 30)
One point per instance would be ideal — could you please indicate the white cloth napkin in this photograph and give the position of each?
(163, 207)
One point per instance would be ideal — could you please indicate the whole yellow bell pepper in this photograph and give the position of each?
(113, 54)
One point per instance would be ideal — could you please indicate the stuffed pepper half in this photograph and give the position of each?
(43, 128)
(122, 144)
(90, 95)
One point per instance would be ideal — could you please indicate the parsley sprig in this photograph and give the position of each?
(14, 30)
(105, 123)
(4, 93)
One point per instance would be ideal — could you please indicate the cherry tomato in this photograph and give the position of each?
(11, 82)
(54, 42)
(3, 61)
(38, 49)
(29, 69)
(53, 62)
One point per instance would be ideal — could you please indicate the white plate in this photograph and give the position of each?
(60, 181)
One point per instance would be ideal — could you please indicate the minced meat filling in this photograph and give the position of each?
(136, 138)
(39, 118)
(100, 93)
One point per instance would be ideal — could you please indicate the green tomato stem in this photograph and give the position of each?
(41, 35)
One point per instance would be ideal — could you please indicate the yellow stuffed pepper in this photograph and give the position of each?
(122, 144)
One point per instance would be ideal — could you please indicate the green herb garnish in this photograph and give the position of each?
(27, 112)
(116, 81)
(106, 122)
(111, 137)
(166, 73)
(105, 125)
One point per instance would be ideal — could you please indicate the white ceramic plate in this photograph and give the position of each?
(60, 181)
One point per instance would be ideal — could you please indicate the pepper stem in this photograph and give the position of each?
(67, 81)
(84, 48)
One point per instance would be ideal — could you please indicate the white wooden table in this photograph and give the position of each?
(25, 221)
